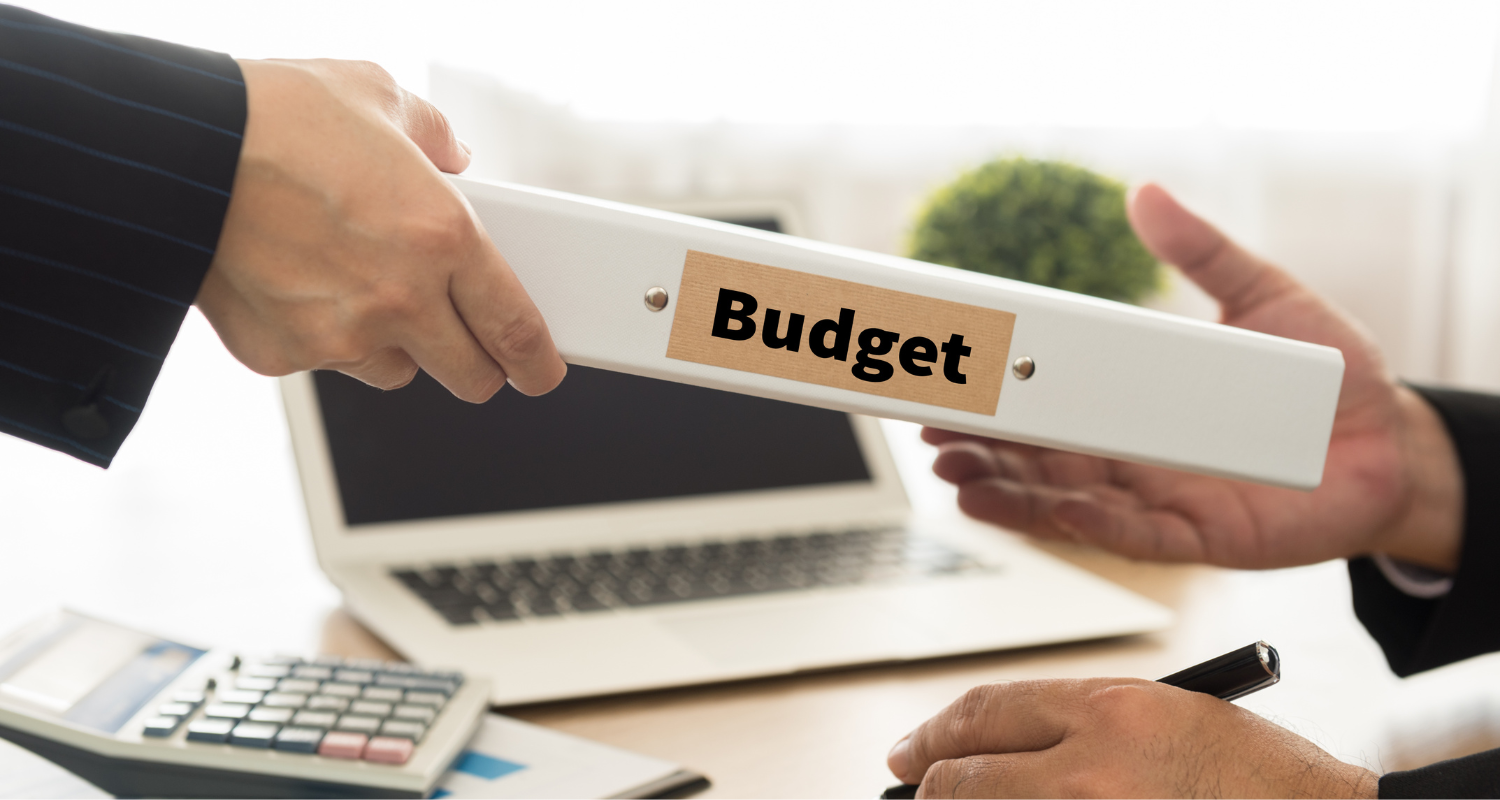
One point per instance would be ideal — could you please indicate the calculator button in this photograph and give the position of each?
(299, 740)
(419, 713)
(388, 750)
(398, 668)
(434, 685)
(407, 728)
(265, 670)
(280, 716)
(342, 744)
(354, 722)
(350, 690)
(360, 724)
(240, 696)
(327, 661)
(323, 702)
(174, 709)
(210, 730)
(434, 699)
(161, 726)
(353, 676)
(297, 685)
(285, 700)
(368, 664)
(289, 661)
(255, 684)
(193, 699)
(315, 719)
(312, 672)
(370, 707)
(253, 734)
(384, 694)
(226, 710)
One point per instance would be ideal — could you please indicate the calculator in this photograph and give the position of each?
(138, 715)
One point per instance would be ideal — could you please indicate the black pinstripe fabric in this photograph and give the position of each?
(117, 157)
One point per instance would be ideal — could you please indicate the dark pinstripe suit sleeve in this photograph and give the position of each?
(1418, 634)
(117, 157)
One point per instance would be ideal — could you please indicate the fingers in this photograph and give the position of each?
(996, 718)
(429, 129)
(389, 368)
(498, 311)
(1226, 271)
(446, 349)
(983, 776)
(1130, 531)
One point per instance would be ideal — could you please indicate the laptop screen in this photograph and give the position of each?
(601, 437)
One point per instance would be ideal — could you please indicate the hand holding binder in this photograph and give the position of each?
(1389, 452)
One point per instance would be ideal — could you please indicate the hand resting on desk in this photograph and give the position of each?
(1391, 484)
(1113, 737)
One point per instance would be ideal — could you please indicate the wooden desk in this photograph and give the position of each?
(198, 533)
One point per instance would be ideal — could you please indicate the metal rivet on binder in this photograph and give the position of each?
(1023, 367)
(656, 298)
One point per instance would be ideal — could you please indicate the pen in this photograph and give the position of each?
(1227, 677)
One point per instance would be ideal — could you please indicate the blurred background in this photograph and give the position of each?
(1348, 141)
(1355, 143)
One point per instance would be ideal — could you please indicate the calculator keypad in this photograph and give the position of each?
(351, 709)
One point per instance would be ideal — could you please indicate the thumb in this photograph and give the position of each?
(430, 131)
(1227, 272)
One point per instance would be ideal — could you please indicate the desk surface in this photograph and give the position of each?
(197, 532)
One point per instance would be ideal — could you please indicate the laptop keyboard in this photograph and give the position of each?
(603, 580)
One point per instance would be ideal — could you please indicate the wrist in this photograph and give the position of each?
(1429, 529)
(1355, 781)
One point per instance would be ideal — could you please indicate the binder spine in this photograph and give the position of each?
(1106, 378)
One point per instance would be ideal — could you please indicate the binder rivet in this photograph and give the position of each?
(656, 298)
(1023, 367)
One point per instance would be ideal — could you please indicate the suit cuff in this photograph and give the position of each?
(1412, 580)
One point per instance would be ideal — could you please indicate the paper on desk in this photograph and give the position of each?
(511, 758)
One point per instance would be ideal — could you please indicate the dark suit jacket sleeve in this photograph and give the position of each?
(117, 157)
(1418, 634)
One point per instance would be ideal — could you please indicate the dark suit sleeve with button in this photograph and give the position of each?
(117, 157)
(1419, 634)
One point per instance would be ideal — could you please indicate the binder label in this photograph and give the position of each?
(788, 324)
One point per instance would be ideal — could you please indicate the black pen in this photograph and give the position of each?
(1227, 677)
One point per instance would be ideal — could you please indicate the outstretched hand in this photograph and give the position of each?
(1391, 482)
(344, 248)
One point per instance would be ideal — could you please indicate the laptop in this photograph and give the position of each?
(624, 533)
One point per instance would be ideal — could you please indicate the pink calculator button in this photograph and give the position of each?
(343, 744)
(388, 750)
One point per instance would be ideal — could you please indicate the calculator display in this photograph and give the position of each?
(91, 673)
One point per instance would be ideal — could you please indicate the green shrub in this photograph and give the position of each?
(1044, 222)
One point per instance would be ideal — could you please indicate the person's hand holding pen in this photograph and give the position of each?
(1113, 737)
(1391, 485)
(1117, 737)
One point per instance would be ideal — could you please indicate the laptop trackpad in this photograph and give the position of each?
(813, 631)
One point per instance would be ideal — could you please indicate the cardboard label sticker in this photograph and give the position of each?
(772, 321)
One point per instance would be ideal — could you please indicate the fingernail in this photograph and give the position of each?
(899, 759)
(466, 147)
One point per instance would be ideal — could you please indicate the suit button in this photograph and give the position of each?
(85, 422)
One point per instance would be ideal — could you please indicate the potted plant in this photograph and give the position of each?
(1044, 222)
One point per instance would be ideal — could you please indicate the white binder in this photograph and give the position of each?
(1105, 378)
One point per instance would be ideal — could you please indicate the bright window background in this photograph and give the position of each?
(1344, 66)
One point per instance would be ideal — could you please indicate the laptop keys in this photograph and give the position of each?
(548, 587)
